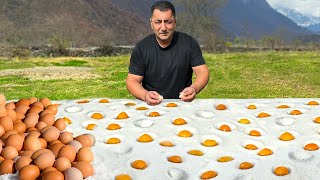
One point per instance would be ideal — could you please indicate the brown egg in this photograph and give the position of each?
(25, 102)
(35, 110)
(31, 120)
(20, 117)
(10, 105)
(56, 148)
(43, 143)
(55, 142)
(44, 160)
(62, 163)
(53, 175)
(48, 169)
(40, 125)
(48, 119)
(11, 114)
(85, 154)
(3, 111)
(31, 143)
(7, 167)
(7, 134)
(42, 130)
(39, 152)
(9, 152)
(76, 144)
(60, 124)
(27, 153)
(44, 112)
(84, 140)
(66, 137)
(85, 167)
(68, 152)
(2, 131)
(21, 108)
(2, 99)
(45, 101)
(32, 100)
(33, 133)
(20, 127)
(22, 161)
(1, 159)
(15, 140)
(51, 134)
(53, 108)
(92, 138)
(29, 172)
(31, 129)
(6, 123)
(72, 173)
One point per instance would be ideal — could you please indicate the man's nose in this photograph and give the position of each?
(163, 26)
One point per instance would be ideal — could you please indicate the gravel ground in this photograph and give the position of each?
(51, 72)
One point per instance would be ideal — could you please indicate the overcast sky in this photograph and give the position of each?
(309, 7)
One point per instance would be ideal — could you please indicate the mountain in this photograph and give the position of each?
(310, 22)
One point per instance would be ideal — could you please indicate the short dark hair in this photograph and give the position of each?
(163, 6)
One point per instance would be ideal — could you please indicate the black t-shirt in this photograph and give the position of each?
(166, 70)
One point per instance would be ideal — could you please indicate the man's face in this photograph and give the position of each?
(163, 24)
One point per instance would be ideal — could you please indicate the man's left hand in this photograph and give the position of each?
(188, 94)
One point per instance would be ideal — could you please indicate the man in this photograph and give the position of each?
(162, 64)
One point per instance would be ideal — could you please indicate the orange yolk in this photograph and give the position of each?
(139, 164)
(254, 133)
(246, 165)
(113, 127)
(97, 116)
(221, 107)
(123, 177)
(208, 175)
(103, 101)
(122, 115)
(295, 112)
(179, 121)
(209, 143)
(113, 141)
(166, 143)
(145, 138)
(184, 133)
(265, 152)
(317, 120)
(263, 115)
(142, 108)
(83, 101)
(91, 126)
(286, 137)
(311, 147)
(175, 159)
(154, 114)
(225, 128)
(130, 104)
(251, 147)
(251, 106)
(283, 106)
(171, 105)
(281, 171)
(225, 159)
(313, 103)
(244, 121)
(67, 120)
(195, 152)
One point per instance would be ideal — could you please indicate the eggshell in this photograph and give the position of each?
(1, 159)
(32, 100)
(62, 163)
(76, 144)
(25, 102)
(31, 129)
(44, 112)
(48, 119)
(60, 124)
(21, 108)
(92, 138)
(39, 152)
(37, 103)
(11, 114)
(72, 174)
(54, 142)
(68, 152)
(10, 105)
(53, 175)
(20, 127)
(3, 111)
(85, 167)
(84, 140)
(2, 99)
(9, 152)
(31, 143)
(53, 108)
(29, 172)
(6, 123)
(40, 125)
(56, 148)
(51, 134)
(31, 120)
(85, 154)
(35, 109)
(42, 130)
(27, 153)
(48, 169)
(66, 137)
(7, 167)
(22, 161)
(15, 140)
(33, 133)
(7, 134)
(2, 131)
(44, 160)
(45, 101)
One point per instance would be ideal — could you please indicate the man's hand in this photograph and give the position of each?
(188, 94)
(153, 98)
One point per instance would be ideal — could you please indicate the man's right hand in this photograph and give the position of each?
(152, 98)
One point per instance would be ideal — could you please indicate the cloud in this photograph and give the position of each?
(308, 7)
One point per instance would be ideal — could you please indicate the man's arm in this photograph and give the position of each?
(202, 78)
(135, 87)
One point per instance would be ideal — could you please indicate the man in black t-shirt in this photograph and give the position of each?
(161, 65)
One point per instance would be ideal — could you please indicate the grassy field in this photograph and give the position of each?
(234, 75)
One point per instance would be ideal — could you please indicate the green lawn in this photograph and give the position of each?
(233, 75)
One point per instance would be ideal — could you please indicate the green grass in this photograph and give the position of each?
(234, 75)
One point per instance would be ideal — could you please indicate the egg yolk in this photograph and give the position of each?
(83, 101)
(295, 112)
(166, 143)
(209, 143)
(263, 115)
(184, 133)
(113, 127)
(313, 103)
(254, 133)
(130, 104)
(142, 108)
(311, 147)
(286, 137)
(245, 165)
(225, 128)
(195, 152)
(67, 120)
(225, 159)
(175, 159)
(251, 106)
(283, 106)
(251, 147)
(91, 126)
(221, 107)
(154, 114)
(208, 175)
(179, 121)
(122, 115)
(97, 116)
(317, 120)
(265, 152)
(145, 138)
(244, 121)
(113, 141)
(281, 171)
(123, 177)
(103, 101)
(139, 164)
(171, 105)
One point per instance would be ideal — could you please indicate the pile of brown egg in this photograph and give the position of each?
(35, 143)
